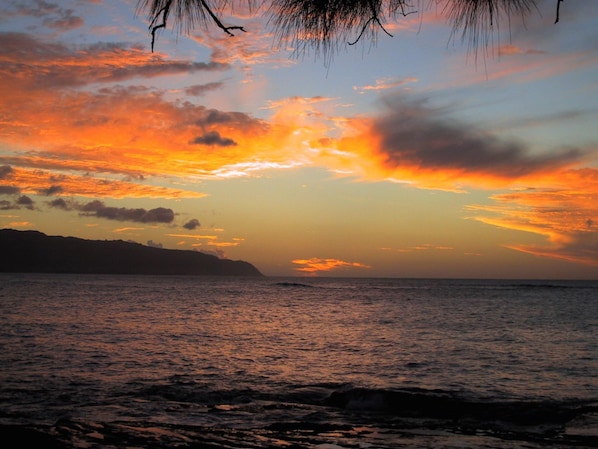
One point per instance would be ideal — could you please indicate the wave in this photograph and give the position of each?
(577, 285)
(438, 404)
(184, 414)
(392, 403)
(294, 284)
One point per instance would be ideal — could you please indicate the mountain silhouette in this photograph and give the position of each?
(35, 252)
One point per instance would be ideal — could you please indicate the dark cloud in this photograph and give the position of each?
(192, 224)
(413, 133)
(52, 190)
(158, 215)
(6, 205)
(216, 117)
(98, 209)
(25, 201)
(213, 138)
(9, 190)
(92, 206)
(5, 171)
(59, 203)
(200, 89)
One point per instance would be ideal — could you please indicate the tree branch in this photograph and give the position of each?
(219, 23)
(371, 19)
(558, 7)
(164, 12)
(376, 19)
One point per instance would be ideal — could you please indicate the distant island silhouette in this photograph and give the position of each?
(36, 252)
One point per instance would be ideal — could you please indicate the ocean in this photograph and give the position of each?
(101, 361)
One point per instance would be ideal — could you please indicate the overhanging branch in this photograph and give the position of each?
(164, 12)
(160, 18)
(219, 23)
(558, 10)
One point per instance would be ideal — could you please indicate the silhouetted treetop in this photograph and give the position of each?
(323, 24)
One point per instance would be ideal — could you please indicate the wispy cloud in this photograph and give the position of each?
(52, 14)
(385, 84)
(317, 265)
(565, 214)
(425, 247)
(30, 63)
(36, 181)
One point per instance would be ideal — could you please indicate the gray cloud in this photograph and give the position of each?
(5, 171)
(200, 89)
(98, 209)
(26, 202)
(9, 190)
(415, 134)
(59, 203)
(52, 190)
(216, 117)
(213, 138)
(66, 21)
(192, 224)
(22, 201)
(37, 8)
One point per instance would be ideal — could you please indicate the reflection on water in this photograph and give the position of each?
(260, 352)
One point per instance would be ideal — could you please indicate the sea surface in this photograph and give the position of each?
(105, 361)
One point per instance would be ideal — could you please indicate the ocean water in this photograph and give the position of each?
(200, 362)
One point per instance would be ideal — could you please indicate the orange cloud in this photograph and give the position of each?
(137, 133)
(385, 84)
(195, 237)
(316, 265)
(133, 132)
(504, 50)
(19, 224)
(212, 241)
(224, 244)
(43, 182)
(425, 247)
(566, 214)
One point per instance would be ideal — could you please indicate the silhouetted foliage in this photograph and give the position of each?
(324, 24)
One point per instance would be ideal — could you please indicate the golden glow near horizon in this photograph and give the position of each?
(389, 162)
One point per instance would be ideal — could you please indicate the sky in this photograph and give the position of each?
(411, 155)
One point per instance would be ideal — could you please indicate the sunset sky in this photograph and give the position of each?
(415, 156)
